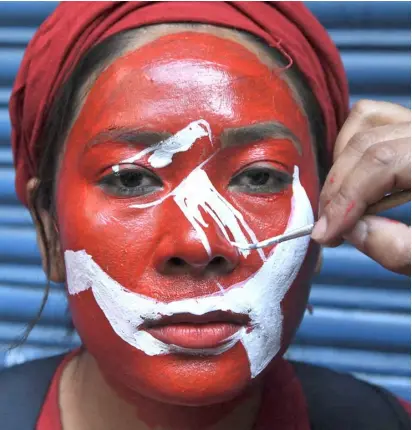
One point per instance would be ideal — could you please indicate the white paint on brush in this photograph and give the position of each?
(182, 141)
(259, 296)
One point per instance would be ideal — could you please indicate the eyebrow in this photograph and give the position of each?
(128, 135)
(229, 137)
(257, 132)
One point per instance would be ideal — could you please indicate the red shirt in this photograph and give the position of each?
(283, 406)
(49, 418)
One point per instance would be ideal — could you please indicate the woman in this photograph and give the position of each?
(147, 138)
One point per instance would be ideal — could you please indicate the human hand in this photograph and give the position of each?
(372, 157)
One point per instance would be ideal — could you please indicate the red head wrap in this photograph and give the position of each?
(74, 27)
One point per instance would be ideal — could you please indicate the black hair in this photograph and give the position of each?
(69, 99)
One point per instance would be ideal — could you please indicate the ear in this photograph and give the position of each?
(319, 262)
(47, 236)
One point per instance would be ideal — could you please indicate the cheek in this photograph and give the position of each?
(310, 179)
(295, 300)
(106, 228)
(90, 322)
(266, 216)
(270, 218)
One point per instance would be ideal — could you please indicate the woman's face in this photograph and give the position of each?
(182, 146)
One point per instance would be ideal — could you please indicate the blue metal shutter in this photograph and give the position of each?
(361, 319)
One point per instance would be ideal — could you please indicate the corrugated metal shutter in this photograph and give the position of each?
(361, 319)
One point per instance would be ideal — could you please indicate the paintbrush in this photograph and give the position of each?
(388, 202)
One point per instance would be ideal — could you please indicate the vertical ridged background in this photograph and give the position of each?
(361, 319)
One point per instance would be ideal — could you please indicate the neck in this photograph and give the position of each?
(87, 401)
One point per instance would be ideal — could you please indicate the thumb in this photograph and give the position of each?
(385, 241)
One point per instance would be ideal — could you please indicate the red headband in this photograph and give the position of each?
(74, 27)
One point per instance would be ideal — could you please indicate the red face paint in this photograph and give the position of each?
(162, 87)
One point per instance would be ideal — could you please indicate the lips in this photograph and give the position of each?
(206, 331)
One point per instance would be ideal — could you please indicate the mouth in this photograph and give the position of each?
(190, 331)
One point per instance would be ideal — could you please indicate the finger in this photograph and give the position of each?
(385, 241)
(382, 168)
(367, 114)
(334, 243)
(354, 151)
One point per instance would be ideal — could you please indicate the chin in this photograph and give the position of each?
(177, 379)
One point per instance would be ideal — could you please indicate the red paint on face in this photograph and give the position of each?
(163, 86)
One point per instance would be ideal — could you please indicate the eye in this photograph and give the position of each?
(260, 180)
(131, 182)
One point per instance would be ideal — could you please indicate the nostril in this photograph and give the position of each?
(218, 261)
(217, 265)
(176, 262)
(220, 265)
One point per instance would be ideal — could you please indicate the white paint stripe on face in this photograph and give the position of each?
(259, 297)
(182, 141)
(269, 285)
(162, 199)
(197, 192)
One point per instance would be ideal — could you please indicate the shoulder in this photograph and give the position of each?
(340, 401)
(23, 389)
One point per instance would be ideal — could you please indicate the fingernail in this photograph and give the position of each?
(320, 228)
(358, 234)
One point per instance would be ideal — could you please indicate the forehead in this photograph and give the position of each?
(186, 76)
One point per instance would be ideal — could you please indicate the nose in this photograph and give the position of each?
(184, 253)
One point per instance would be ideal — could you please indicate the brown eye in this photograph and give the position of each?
(260, 180)
(131, 179)
(131, 182)
(257, 178)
